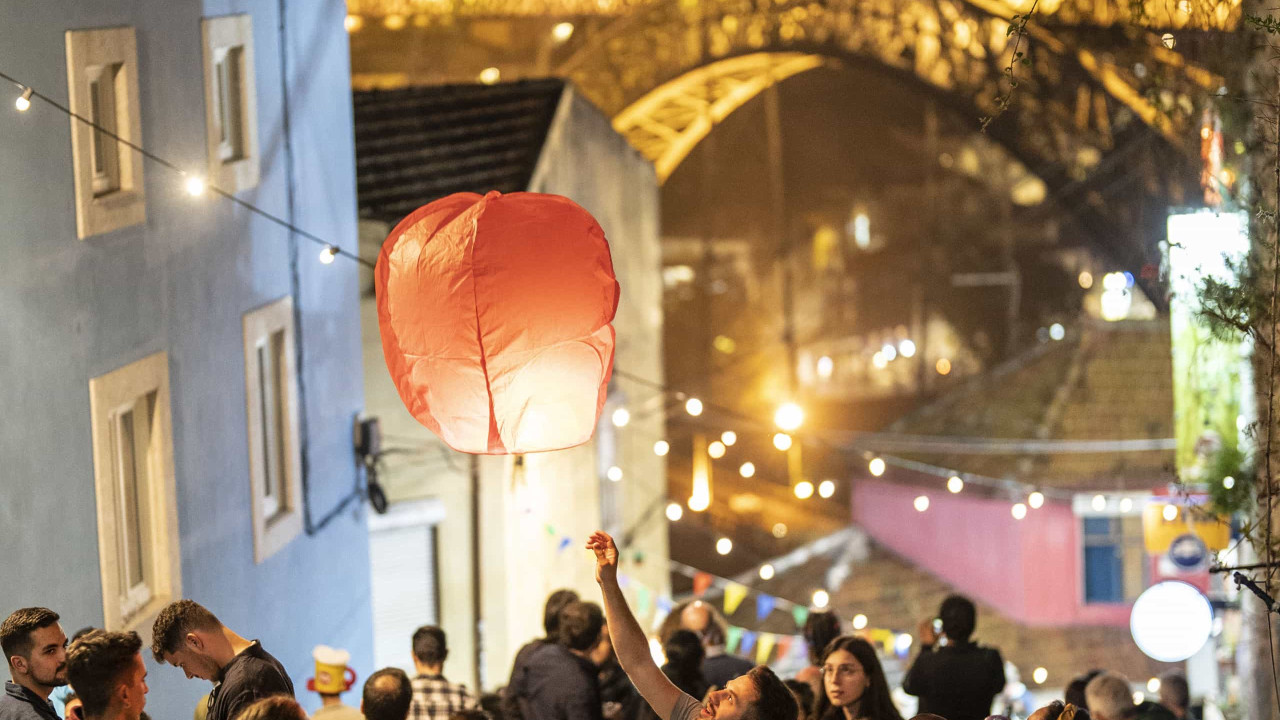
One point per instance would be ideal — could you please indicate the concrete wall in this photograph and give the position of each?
(585, 160)
(1030, 570)
(180, 283)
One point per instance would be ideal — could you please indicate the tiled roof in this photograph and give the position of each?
(418, 144)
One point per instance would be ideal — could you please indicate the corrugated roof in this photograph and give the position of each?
(418, 144)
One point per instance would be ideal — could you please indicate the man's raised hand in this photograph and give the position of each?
(606, 556)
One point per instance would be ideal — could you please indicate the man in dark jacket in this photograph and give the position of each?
(960, 679)
(35, 649)
(513, 705)
(561, 682)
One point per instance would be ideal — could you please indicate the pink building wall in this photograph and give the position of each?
(1029, 570)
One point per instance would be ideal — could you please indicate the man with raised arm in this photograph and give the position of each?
(758, 695)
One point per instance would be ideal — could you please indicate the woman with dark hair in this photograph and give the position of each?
(819, 630)
(853, 682)
(684, 663)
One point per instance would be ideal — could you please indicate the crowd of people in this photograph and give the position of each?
(594, 663)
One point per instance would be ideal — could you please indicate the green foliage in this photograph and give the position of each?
(1017, 30)
(1268, 24)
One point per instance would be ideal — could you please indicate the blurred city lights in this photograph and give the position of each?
(789, 417)
(728, 437)
(902, 643)
(921, 503)
(880, 361)
(826, 488)
(562, 31)
(782, 441)
(820, 599)
(661, 448)
(780, 530)
(825, 367)
(724, 546)
(804, 489)
(674, 512)
(747, 470)
(943, 366)
(876, 466)
(621, 417)
(1057, 332)
(907, 349)
(716, 449)
(1085, 279)
(693, 406)
(353, 23)
(1099, 503)
(955, 484)
(395, 22)
(1228, 482)
(615, 473)
(1019, 511)
(699, 501)
(1126, 504)
(1153, 685)
(859, 621)
(766, 572)
(490, 75)
(1170, 512)
(889, 351)
(1039, 675)
(1035, 500)
(725, 344)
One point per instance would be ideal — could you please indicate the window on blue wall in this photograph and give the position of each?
(1114, 559)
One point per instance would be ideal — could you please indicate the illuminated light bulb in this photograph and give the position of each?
(693, 406)
(880, 361)
(195, 186)
(562, 31)
(1228, 482)
(1019, 511)
(674, 512)
(728, 437)
(889, 352)
(716, 450)
(328, 254)
(614, 474)
(699, 502)
(780, 530)
(955, 484)
(943, 366)
(1168, 40)
(1139, 698)
(789, 417)
(902, 643)
(661, 448)
(621, 417)
(826, 488)
(1170, 512)
(353, 23)
(826, 366)
(23, 103)
(724, 546)
(1040, 675)
(804, 489)
(395, 22)
(820, 599)
(1057, 332)
(782, 441)
(1036, 500)
(907, 349)
(655, 652)
(1153, 685)
(766, 572)
(747, 470)
(1099, 503)
(1126, 504)
(859, 621)
(1085, 279)
(876, 466)
(921, 503)
(490, 75)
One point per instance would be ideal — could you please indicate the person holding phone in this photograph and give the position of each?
(959, 679)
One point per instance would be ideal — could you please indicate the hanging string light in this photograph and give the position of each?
(661, 448)
(23, 103)
(693, 406)
(328, 254)
(728, 437)
(955, 484)
(826, 488)
(674, 512)
(1035, 500)
(621, 417)
(804, 490)
(195, 186)
(782, 441)
(876, 466)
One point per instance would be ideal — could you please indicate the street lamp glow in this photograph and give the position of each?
(716, 450)
(747, 470)
(674, 512)
(661, 448)
(1019, 511)
(820, 599)
(562, 31)
(907, 349)
(699, 502)
(1228, 482)
(1099, 503)
(353, 23)
(195, 186)
(766, 572)
(804, 490)
(859, 621)
(782, 441)
(1040, 675)
(1126, 504)
(1036, 500)
(621, 417)
(693, 406)
(1170, 512)
(921, 503)
(826, 488)
(729, 437)
(789, 417)
(826, 366)
(724, 546)
(955, 484)
(876, 466)
(490, 75)
(780, 530)
(614, 474)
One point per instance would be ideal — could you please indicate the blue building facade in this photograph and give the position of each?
(83, 296)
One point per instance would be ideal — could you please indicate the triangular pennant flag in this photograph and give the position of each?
(643, 599)
(664, 604)
(624, 581)
(765, 648)
(748, 642)
(565, 542)
(551, 529)
(801, 614)
(731, 641)
(659, 616)
(734, 594)
(784, 646)
(764, 606)
(701, 583)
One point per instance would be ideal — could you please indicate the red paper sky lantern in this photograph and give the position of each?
(495, 315)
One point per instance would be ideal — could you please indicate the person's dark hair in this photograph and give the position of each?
(804, 696)
(470, 715)
(387, 695)
(556, 602)
(491, 704)
(175, 621)
(877, 703)
(276, 707)
(819, 630)
(580, 624)
(95, 664)
(15, 631)
(1174, 693)
(776, 701)
(429, 645)
(684, 662)
(1055, 710)
(82, 632)
(959, 617)
(1074, 692)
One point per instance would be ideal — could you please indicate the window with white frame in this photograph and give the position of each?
(134, 487)
(271, 399)
(102, 85)
(230, 102)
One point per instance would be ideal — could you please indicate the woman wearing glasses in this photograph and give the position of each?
(853, 683)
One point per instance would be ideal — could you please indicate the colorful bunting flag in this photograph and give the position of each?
(701, 583)
(765, 647)
(643, 599)
(731, 641)
(764, 606)
(801, 614)
(624, 581)
(748, 642)
(551, 529)
(784, 646)
(565, 542)
(664, 604)
(734, 594)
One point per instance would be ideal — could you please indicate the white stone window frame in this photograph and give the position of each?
(229, 38)
(88, 52)
(277, 519)
(111, 395)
